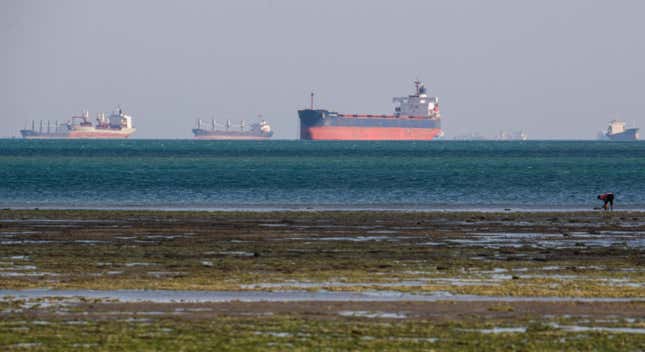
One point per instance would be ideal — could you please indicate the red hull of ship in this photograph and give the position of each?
(342, 133)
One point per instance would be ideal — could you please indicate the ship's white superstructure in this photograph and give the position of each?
(616, 126)
(418, 104)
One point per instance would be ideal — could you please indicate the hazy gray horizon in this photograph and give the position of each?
(556, 69)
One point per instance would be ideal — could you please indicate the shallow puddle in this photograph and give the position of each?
(168, 296)
(26, 274)
(274, 225)
(133, 264)
(237, 253)
(368, 314)
(520, 329)
(578, 328)
(497, 240)
(330, 284)
(353, 238)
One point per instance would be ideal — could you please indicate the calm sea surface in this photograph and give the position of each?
(330, 175)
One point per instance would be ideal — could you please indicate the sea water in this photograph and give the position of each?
(188, 174)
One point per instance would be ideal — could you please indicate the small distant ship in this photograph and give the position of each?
(416, 117)
(473, 136)
(254, 131)
(512, 136)
(116, 126)
(617, 132)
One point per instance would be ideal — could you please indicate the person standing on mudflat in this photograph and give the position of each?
(608, 198)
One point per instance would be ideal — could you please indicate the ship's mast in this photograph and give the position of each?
(311, 103)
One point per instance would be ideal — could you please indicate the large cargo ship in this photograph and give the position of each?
(116, 126)
(617, 132)
(259, 130)
(415, 117)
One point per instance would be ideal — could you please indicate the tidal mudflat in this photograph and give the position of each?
(110, 280)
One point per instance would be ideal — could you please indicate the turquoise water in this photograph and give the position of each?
(329, 175)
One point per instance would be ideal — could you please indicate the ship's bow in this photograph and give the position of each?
(310, 118)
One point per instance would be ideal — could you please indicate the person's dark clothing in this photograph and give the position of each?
(608, 198)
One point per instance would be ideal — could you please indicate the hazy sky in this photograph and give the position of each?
(557, 69)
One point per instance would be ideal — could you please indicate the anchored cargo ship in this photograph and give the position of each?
(415, 117)
(260, 130)
(116, 126)
(617, 132)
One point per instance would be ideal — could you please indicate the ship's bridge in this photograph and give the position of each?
(119, 120)
(418, 104)
(616, 126)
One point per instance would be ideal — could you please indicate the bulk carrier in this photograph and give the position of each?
(415, 117)
(260, 130)
(116, 126)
